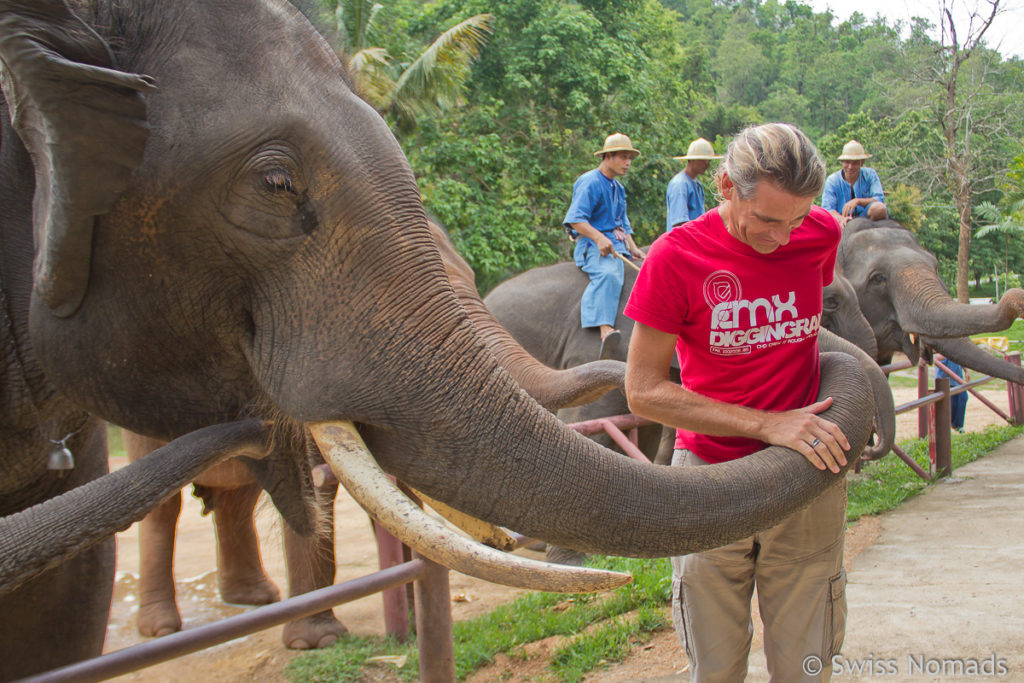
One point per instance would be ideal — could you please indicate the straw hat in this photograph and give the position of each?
(853, 151)
(700, 149)
(617, 142)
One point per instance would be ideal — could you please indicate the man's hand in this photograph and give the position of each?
(817, 439)
(605, 245)
(851, 206)
(843, 220)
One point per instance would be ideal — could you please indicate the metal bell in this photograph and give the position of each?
(60, 459)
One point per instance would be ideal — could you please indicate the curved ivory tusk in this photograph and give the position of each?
(484, 532)
(355, 467)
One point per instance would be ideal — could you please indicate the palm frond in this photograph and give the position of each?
(998, 222)
(369, 70)
(435, 79)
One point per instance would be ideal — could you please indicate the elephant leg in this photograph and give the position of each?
(311, 566)
(240, 572)
(59, 617)
(158, 611)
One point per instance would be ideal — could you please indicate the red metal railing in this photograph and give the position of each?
(933, 411)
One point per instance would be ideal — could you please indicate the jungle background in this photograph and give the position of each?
(528, 89)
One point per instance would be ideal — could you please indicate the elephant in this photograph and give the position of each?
(209, 239)
(540, 308)
(229, 491)
(909, 309)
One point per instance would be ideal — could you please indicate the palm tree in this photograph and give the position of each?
(430, 83)
(1008, 224)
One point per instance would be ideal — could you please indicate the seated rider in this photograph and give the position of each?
(855, 191)
(684, 197)
(597, 220)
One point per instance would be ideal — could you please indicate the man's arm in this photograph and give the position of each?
(604, 244)
(634, 250)
(653, 395)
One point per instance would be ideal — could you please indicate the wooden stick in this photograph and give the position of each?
(626, 260)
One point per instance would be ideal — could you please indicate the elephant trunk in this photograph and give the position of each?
(885, 409)
(968, 354)
(503, 459)
(552, 388)
(924, 307)
(43, 536)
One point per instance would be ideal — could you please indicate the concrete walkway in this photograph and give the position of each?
(939, 596)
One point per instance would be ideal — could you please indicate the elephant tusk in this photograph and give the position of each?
(484, 532)
(355, 467)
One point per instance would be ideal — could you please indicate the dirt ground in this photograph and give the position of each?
(262, 656)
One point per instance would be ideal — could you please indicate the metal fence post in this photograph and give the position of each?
(1014, 391)
(396, 601)
(922, 390)
(434, 624)
(942, 456)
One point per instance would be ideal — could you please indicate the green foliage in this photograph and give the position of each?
(557, 77)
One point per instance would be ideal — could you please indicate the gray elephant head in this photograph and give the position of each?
(236, 233)
(907, 305)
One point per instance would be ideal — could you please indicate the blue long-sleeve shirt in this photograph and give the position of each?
(600, 201)
(684, 199)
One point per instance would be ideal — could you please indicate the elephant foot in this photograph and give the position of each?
(560, 555)
(256, 590)
(159, 618)
(313, 632)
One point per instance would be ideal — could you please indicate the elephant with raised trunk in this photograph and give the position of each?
(909, 308)
(201, 223)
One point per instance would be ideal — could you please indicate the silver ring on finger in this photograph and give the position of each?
(814, 444)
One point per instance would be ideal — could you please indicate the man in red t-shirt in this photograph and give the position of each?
(737, 295)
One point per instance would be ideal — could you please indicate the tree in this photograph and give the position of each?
(958, 67)
(430, 83)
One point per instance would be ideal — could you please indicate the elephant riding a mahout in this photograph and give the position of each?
(209, 239)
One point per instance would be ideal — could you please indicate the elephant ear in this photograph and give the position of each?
(84, 126)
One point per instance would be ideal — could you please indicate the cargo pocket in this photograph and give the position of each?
(835, 615)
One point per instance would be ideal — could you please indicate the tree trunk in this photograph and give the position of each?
(963, 255)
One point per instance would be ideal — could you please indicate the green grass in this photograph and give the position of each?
(884, 484)
(603, 629)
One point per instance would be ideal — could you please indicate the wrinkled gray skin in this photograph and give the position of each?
(238, 234)
(909, 308)
(541, 309)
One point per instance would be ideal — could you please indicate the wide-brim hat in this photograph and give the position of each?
(617, 142)
(700, 149)
(853, 151)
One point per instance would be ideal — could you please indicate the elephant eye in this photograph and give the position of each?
(877, 278)
(279, 180)
(830, 303)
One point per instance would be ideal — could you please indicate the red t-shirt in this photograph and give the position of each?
(747, 322)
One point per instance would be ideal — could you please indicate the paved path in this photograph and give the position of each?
(939, 596)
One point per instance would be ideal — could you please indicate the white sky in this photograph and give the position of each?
(1006, 34)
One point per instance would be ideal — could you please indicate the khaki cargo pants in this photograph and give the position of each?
(797, 567)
